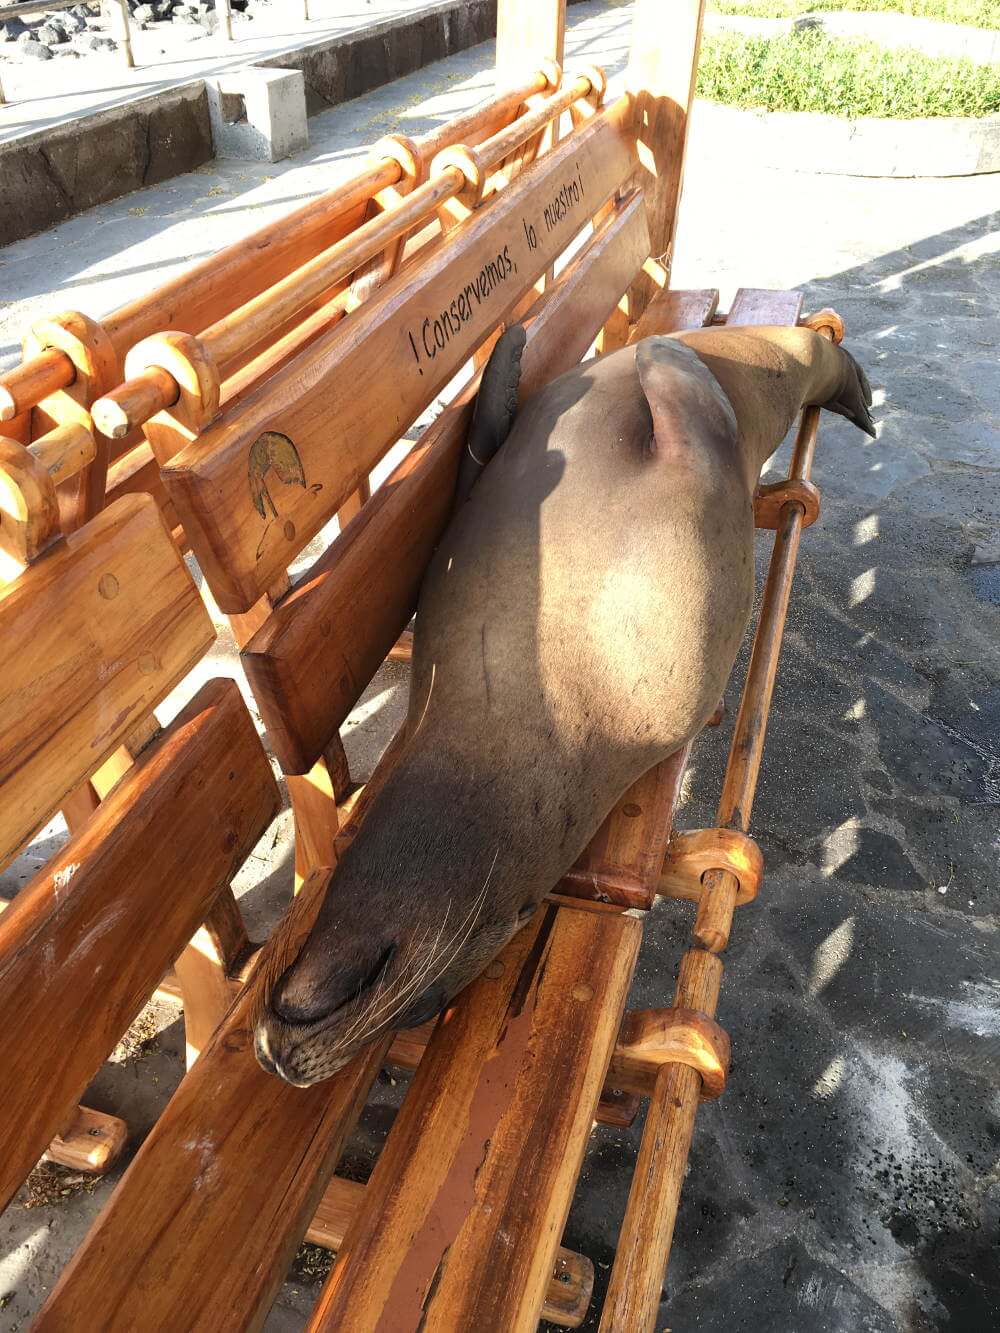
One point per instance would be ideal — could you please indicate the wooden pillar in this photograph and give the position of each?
(663, 66)
(528, 32)
(117, 11)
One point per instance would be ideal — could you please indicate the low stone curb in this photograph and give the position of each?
(54, 173)
(893, 31)
(872, 146)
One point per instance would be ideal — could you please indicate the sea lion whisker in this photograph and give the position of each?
(372, 1014)
(364, 1017)
(371, 1009)
(452, 949)
(400, 997)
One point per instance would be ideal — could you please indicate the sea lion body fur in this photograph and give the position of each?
(577, 625)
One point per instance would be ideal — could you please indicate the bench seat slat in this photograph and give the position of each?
(465, 1209)
(350, 395)
(570, 1286)
(321, 646)
(674, 310)
(623, 861)
(91, 639)
(85, 942)
(201, 1229)
(760, 305)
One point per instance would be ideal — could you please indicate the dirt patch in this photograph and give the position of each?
(49, 1185)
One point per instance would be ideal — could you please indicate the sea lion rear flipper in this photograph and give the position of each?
(496, 404)
(855, 397)
(671, 374)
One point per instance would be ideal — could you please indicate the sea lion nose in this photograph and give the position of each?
(262, 1050)
(281, 1064)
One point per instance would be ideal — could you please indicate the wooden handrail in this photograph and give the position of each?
(28, 384)
(33, 380)
(142, 396)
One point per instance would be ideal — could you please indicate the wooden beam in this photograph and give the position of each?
(86, 941)
(528, 32)
(663, 66)
(92, 1142)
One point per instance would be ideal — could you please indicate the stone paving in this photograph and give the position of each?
(850, 1177)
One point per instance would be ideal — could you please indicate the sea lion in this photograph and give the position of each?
(576, 625)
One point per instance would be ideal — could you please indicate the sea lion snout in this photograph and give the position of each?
(372, 968)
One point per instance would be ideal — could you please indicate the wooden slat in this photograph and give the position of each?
(310, 663)
(760, 305)
(661, 74)
(570, 1286)
(352, 393)
(619, 1101)
(623, 861)
(91, 639)
(203, 1225)
(528, 32)
(85, 943)
(487, 1120)
(673, 311)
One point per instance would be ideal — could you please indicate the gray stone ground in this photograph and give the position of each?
(850, 1177)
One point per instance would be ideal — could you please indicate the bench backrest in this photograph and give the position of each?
(72, 357)
(93, 636)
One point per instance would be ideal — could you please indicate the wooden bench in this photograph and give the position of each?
(460, 1225)
(92, 636)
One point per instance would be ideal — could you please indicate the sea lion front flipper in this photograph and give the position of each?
(496, 404)
(855, 397)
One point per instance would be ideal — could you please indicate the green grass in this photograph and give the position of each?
(810, 72)
(975, 13)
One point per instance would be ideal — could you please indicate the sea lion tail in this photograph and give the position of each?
(496, 404)
(854, 399)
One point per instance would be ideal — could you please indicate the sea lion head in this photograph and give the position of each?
(381, 956)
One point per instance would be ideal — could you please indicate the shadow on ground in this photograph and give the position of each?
(849, 1179)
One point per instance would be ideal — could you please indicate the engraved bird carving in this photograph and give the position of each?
(274, 453)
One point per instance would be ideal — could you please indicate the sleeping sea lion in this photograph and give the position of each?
(577, 625)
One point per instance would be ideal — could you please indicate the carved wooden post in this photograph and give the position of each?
(528, 32)
(663, 66)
